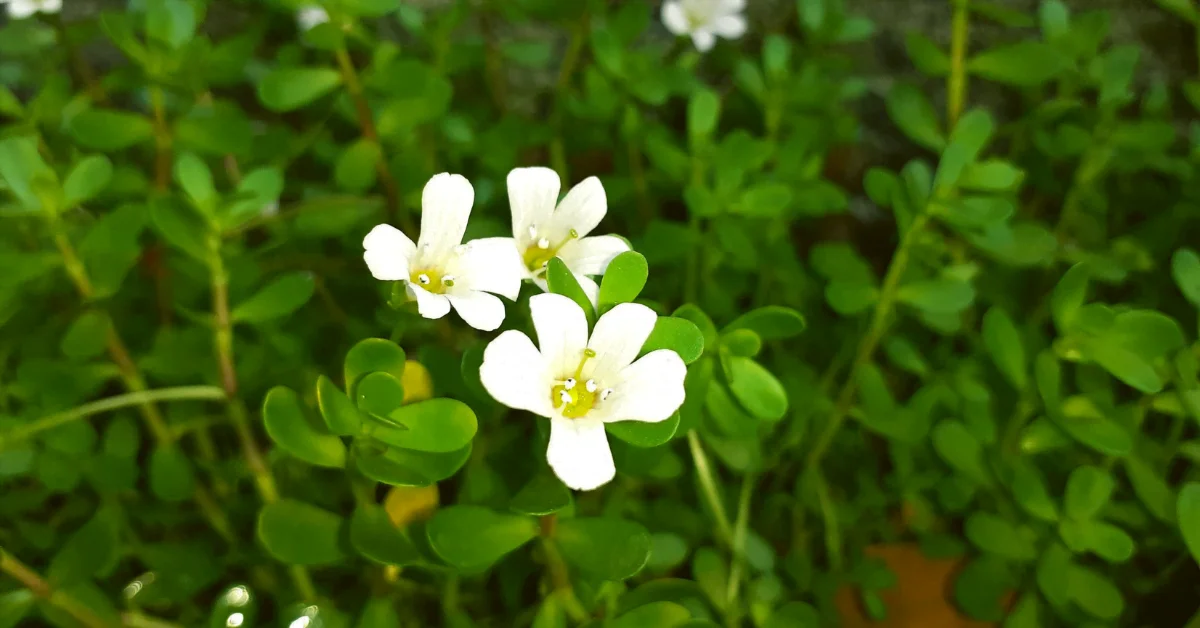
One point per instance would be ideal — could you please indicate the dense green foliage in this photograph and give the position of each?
(211, 414)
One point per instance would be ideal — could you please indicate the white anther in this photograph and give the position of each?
(423, 278)
(564, 396)
(604, 395)
(544, 243)
(569, 383)
(591, 385)
(532, 231)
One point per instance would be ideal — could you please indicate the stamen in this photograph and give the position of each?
(564, 397)
(587, 355)
(448, 281)
(423, 278)
(574, 234)
(569, 384)
(604, 395)
(532, 231)
(591, 385)
(544, 243)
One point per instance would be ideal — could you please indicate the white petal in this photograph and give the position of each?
(310, 16)
(480, 310)
(590, 288)
(650, 389)
(581, 209)
(618, 338)
(532, 194)
(730, 26)
(388, 252)
(703, 39)
(579, 453)
(674, 18)
(51, 6)
(491, 265)
(21, 9)
(540, 281)
(590, 256)
(515, 373)
(731, 6)
(429, 305)
(561, 330)
(445, 207)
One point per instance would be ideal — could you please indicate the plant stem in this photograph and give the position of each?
(82, 69)
(559, 576)
(162, 141)
(42, 589)
(637, 170)
(366, 123)
(956, 84)
(708, 486)
(558, 151)
(866, 347)
(739, 539)
(179, 393)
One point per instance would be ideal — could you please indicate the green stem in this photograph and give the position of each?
(560, 578)
(558, 151)
(956, 85)
(44, 590)
(162, 140)
(708, 486)
(866, 348)
(833, 533)
(740, 527)
(180, 393)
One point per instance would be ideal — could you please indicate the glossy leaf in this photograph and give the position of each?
(677, 334)
(610, 549)
(623, 279)
(277, 299)
(298, 533)
(472, 538)
(288, 427)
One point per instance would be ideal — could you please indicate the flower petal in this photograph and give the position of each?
(579, 453)
(730, 26)
(491, 265)
(581, 209)
(674, 17)
(445, 207)
(703, 39)
(51, 6)
(480, 310)
(21, 9)
(561, 330)
(590, 288)
(532, 194)
(429, 305)
(650, 389)
(731, 6)
(388, 252)
(514, 373)
(618, 337)
(590, 256)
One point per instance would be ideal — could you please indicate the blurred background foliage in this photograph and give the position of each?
(984, 211)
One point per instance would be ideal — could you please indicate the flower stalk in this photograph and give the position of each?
(956, 83)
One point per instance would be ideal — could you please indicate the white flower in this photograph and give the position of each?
(582, 383)
(439, 271)
(705, 20)
(20, 9)
(542, 232)
(311, 15)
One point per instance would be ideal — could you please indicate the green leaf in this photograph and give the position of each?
(87, 336)
(1024, 64)
(1188, 508)
(992, 175)
(195, 178)
(1183, 9)
(677, 334)
(406, 467)
(642, 434)
(378, 612)
(1126, 366)
(91, 550)
(111, 248)
(968, 138)
(472, 538)
(277, 299)
(109, 130)
(998, 536)
(960, 450)
(757, 389)
(926, 56)
(607, 548)
(1088, 490)
(88, 178)
(374, 535)
(911, 110)
(371, 355)
(297, 533)
(704, 109)
(341, 416)
(1106, 541)
(794, 615)
(692, 313)
(1068, 296)
(741, 342)
(435, 425)
(355, 170)
(287, 426)
(1003, 341)
(285, 89)
(850, 298)
(181, 228)
(1094, 593)
(379, 394)
(20, 166)
(657, 614)
(14, 606)
(1053, 575)
(172, 22)
(1185, 268)
(543, 495)
(765, 200)
(1151, 488)
(773, 322)
(937, 296)
(623, 279)
(171, 475)
(256, 191)
(560, 281)
(1029, 489)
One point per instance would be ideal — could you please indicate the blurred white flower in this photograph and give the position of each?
(705, 20)
(542, 232)
(580, 383)
(20, 9)
(311, 15)
(439, 272)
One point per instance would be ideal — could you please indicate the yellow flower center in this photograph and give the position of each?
(575, 398)
(539, 253)
(432, 280)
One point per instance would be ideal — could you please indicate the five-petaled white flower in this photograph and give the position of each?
(439, 271)
(310, 15)
(582, 383)
(20, 9)
(541, 232)
(705, 20)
